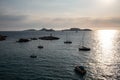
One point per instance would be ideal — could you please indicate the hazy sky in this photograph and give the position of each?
(59, 14)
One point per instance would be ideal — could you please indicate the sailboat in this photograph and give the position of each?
(83, 48)
(67, 41)
(40, 46)
(33, 55)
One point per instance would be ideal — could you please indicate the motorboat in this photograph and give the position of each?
(81, 70)
(68, 42)
(33, 56)
(40, 47)
(84, 49)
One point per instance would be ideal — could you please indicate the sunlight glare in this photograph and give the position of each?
(107, 2)
(106, 37)
(106, 41)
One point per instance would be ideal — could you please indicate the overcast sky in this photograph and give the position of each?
(59, 14)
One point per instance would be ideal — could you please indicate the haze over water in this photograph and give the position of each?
(59, 14)
(57, 60)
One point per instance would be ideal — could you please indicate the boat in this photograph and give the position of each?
(67, 41)
(2, 38)
(33, 56)
(40, 47)
(83, 48)
(81, 70)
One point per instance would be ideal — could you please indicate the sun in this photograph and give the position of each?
(107, 2)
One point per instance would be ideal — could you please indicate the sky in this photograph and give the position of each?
(18, 15)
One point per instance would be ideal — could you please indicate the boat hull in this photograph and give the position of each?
(84, 49)
(68, 42)
(40, 47)
(33, 56)
(80, 71)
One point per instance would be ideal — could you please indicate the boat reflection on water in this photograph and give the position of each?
(105, 54)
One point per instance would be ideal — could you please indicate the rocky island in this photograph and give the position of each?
(76, 29)
(49, 37)
(21, 40)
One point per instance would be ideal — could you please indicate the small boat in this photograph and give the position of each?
(40, 47)
(2, 38)
(68, 42)
(80, 70)
(84, 49)
(33, 56)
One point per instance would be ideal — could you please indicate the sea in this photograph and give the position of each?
(57, 61)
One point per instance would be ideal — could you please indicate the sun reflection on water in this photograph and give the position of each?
(105, 55)
(106, 42)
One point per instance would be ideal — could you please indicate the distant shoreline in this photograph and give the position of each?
(47, 29)
(71, 29)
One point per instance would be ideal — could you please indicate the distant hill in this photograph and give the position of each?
(44, 29)
(30, 30)
(86, 30)
(76, 29)
(71, 29)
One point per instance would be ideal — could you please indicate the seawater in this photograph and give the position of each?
(56, 61)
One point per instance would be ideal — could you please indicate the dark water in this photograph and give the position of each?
(57, 60)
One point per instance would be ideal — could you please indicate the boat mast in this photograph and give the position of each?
(83, 39)
(66, 36)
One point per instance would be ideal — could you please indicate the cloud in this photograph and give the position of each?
(12, 19)
(108, 20)
(56, 14)
(9, 22)
(7, 18)
(21, 22)
(81, 22)
(114, 20)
